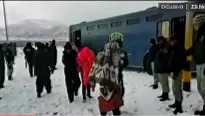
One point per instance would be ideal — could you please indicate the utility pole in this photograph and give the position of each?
(5, 21)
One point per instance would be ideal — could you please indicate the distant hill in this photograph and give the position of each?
(38, 29)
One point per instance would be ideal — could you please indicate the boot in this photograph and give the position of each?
(154, 86)
(39, 95)
(49, 91)
(10, 78)
(178, 108)
(200, 112)
(1, 86)
(165, 97)
(76, 93)
(84, 99)
(173, 105)
(161, 95)
(89, 96)
(71, 101)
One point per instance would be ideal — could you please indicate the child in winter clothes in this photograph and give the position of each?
(85, 61)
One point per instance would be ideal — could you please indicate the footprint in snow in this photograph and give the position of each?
(55, 113)
(90, 110)
(188, 95)
(126, 113)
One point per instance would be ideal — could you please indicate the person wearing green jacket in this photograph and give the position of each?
(162, 60)
(198, 52)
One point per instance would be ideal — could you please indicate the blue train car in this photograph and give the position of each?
(138, 28)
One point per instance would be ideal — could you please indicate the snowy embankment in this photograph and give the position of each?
(19, 96)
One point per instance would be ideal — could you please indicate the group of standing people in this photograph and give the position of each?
(81, 59)
(42, 63)
(167, 57)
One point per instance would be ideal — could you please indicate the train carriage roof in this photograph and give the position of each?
(148, 10)
(151, 9)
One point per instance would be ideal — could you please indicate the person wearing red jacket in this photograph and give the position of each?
(85, 61)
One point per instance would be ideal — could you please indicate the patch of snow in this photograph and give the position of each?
(19, 96)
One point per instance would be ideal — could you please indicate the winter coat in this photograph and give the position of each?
(162, 61)
(42, 63)
(70, 63)
(178, 59)
(198, 48)
(9, 56)
(85, 59)
(153, 51)
(2, 65)
(111, 97)
(29, 52)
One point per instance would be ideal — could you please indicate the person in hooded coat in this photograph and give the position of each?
(72, 79)
(29, 52)
(2, 67)
(111, 86)
(9, 56)
(42, 64)
(85, 60)
(53, 54)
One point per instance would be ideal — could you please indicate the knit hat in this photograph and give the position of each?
(199, 18)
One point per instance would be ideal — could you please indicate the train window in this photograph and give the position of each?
(90, 27)
(153, 17)
(102, 26)
(116, 24)
(133, 21)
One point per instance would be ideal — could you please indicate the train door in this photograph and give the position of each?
(77, 37)
(163, 28)
(178, 29)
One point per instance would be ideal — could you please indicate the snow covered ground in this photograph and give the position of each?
(19, 96)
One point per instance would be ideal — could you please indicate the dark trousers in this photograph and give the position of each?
(30, 68)
(72, 81)
(84, 91)
(2, 78)
(116, 112)
(77, 83)
(42, 81)
(70, 88)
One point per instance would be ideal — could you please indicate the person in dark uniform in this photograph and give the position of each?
(53, 54)
(72, 79)
(42, 66)
(29, 52)
(178, 63)
(2, 67)
(9, 56)
(162, 67)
